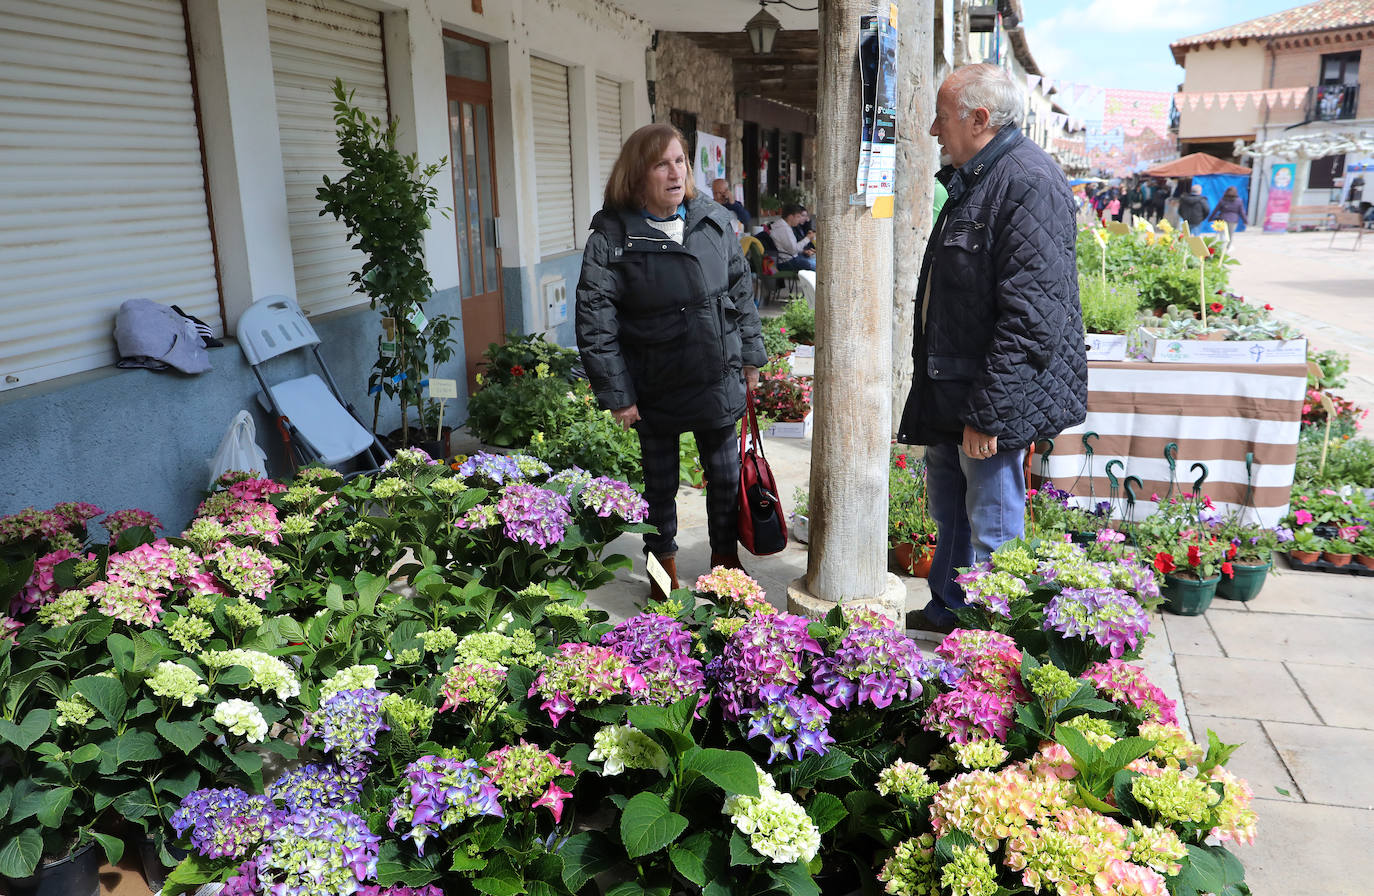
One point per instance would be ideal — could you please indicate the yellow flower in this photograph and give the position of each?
(1101, 236)
(541, 369)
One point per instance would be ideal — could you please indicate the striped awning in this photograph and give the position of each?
(1215, 414)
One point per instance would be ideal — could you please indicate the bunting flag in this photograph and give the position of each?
(1271, 98)
(1297, 95)
(1033, 82)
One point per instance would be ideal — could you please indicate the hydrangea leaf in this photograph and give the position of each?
(19, 857)
(185, 736)
(826, 811)
(23, 735)
(585, 855)
(794, 879)
(688, 864)
(648, 825)
(105, 694)
(730, 770)
(741, 853)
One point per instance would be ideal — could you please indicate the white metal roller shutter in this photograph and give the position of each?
(102, 189)
(552, 155)
(313, 42)
(608, 125)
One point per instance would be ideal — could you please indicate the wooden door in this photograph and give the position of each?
(467, 70)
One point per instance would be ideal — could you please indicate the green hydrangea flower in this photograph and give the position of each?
(906, 779)
(912, 869)
(390, 487)
(411, 716)
(75, 710)
(297, 526)
(486, 647)
(205, 533)
(269, 674)
(65, 609)
(301, 496)
(177, 683)
(982, 753)
(970, 874)
(449, 486)
(438, 640)
(1015, 559)
(1050, 682)
(350, 679)
(243, 615)
(619, 747)
(1174, 796)
(201, 604)
(1099, 732)
(408, 657)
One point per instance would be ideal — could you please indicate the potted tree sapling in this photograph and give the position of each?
(385, 199)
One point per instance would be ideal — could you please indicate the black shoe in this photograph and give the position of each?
(918, 620)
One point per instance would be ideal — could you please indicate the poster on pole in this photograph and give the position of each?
(710, 160)
(1280, 198)
(878, 136)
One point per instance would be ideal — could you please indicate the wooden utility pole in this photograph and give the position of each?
(916, 161)
(853, 392)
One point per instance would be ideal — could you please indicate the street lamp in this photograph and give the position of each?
(762, 28)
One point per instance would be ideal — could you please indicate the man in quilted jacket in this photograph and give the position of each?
(999, 348)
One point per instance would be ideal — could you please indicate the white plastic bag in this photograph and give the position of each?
(239, 450)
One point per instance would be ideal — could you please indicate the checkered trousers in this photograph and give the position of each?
(719, 450)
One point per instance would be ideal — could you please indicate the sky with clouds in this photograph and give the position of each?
(1125, 43)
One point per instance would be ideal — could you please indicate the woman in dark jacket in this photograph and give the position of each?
(668, 331)
(1230, 209)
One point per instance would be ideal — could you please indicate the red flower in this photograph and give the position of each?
(1232, 551)
(1194, 555)
(517, 370)
(901, 461)
(1165, 562)
(1227, 569)
(1216, 307)
(1268, 307)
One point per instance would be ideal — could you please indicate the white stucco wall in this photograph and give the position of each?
(1223, 68)
(242, 141)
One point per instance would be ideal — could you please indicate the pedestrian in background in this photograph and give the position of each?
(1193, 207)
(1231, 209)
(998, 352)
(668, 332)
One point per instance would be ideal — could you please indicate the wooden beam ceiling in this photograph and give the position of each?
(787, 75)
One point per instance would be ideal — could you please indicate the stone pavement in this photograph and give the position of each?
(1289, 675)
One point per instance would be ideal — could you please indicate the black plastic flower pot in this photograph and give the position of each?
(76, 875)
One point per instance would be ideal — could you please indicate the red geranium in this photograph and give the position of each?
(517, 370)
(901, 461)
(1164, 562)
(1194, 555)
(1216, 307)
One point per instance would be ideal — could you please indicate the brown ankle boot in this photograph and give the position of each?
(669, 564)
(729, 561)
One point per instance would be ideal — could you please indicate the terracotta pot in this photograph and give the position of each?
(1305, 556)
(1336, 559)
(1365, 560)
(915, 559)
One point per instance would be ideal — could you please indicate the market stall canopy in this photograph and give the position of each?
(1195, 164)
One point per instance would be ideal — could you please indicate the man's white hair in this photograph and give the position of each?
(987, 86)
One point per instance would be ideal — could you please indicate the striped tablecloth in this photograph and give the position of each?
(1216, 413)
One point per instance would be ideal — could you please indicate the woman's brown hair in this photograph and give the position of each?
(625, 186)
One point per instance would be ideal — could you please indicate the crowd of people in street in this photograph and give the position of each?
(1148, 197)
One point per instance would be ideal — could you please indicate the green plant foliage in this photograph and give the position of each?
(776, 340)
(1333, 365)
(1108, 307)
(799, 318)
(385, 200)
(1160, 266)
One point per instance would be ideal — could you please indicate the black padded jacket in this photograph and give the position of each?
(667, 326)
(1001, 348)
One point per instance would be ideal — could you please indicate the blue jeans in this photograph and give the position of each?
(798, 263)
(978, 506)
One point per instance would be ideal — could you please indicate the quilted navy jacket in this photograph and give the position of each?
(1001, 348)
(668, 326)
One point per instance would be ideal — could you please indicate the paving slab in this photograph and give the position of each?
(1188, 634)
(1303, 849)
(1331, 765)
(1316, 594)
(1248, 689)
(1257, 760)
(1308, 639)
(1341, 698)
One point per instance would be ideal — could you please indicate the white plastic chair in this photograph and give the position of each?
(319, 425)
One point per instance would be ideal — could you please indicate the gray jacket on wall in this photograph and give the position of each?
(1000, 345)
(666, 326)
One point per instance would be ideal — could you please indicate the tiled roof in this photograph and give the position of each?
(1324, 15)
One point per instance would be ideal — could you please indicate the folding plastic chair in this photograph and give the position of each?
(316, 422)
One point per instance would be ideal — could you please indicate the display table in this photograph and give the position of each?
(1215, 413)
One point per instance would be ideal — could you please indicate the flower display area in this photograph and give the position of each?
(396, 685)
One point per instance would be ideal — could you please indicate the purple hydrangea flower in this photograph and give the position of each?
(943, 670)
(348, 723)
(244, 882)
(606, 497)
(793, 723)
(973, 710)
(495, 468)
(440, 792)
(648, 635)
(768, 650)
(224, 824)
(874, 664)
(1107, 616)
(325, 853)
(534, 515)
(313, 787)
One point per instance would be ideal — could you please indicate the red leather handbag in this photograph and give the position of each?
(762, 523)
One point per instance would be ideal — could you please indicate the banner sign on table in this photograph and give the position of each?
(1280, 198)
(878, 133)
(710, 160)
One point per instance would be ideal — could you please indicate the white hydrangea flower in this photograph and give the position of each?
(269, 673)
(242, 718)
(620, 747)
(177, 682)
(776, 824)
(350, 679)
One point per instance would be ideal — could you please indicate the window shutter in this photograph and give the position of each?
(313, 42)
(552, 156)
(102, 189)
(608, 125)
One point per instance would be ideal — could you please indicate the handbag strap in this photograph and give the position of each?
(750, 426)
